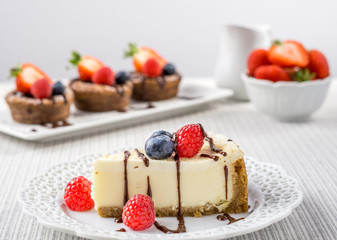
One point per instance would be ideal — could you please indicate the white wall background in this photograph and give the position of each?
(185, 32)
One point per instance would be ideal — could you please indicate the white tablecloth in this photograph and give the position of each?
(307, 150)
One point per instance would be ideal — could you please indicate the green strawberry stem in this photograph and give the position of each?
(76, 58)
(133, 49)
(276, 42)
(303, 75)
(14, 72)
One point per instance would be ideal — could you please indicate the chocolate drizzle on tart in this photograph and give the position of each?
(142, 157)
(126, 190)
(215, 158)
(211, 143)
(226, 216)
(149, 191)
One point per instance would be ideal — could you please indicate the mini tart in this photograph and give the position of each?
(26, 109)
(154, 88)
(100, 98)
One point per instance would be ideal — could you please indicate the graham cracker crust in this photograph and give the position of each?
(238, 205)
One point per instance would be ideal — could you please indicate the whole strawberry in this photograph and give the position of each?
(288, 54)
(77, 194)
(318, 64)
(271, 72)
(152, 68)
(139, 213)
(190, 140)
(257, 58)
(41, 88)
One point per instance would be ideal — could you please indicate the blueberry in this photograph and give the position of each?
(58, 88)
(161, 132)
(122, 77)
(169, 69)
(159, 147)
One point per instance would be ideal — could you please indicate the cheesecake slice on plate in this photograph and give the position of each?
(212, 181)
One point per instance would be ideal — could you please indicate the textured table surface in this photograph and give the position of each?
(307, 150)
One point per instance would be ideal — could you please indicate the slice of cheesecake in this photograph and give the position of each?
(213, 181)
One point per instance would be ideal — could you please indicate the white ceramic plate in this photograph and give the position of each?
(193, 95)
(272, 196)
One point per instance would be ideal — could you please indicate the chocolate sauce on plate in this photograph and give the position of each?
(56, 125)
(226, 216)
(121, 230)
(119, 220)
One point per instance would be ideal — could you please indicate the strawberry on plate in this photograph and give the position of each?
(271, 72)
(141, 54)
(26, 75)
(87, 65)
(318, 64)
(288, 54)
(257, 58)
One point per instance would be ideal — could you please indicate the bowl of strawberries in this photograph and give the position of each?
(287, 81)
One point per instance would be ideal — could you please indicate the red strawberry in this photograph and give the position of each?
(26, 75)
(318, 64)
(141, 54)
(87, 65)
(288, 54)
(271, 72)
(104, 76)
(152, 68)
(257, 58)
(41, 89)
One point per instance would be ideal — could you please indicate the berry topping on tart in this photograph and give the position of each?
(41, 89)
(141, 54)
(87, 65)
(26, 75)
(58, 88)
(104, 76)
(122, 77)
(152, 68)
(169, 69)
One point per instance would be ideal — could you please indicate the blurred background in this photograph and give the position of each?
(186, 32)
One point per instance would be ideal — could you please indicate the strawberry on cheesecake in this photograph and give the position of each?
(189, 173)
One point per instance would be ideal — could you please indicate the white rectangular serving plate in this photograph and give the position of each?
(194, 93)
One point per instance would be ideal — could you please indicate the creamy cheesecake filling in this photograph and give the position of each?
(203, 180)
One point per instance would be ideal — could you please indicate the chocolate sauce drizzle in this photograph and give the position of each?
(126, 190)
(119, 220)
(121, 230)
(142, 157)
(226, 216)
(160, 80)
(149, 191)
(211, 143)
(226, 179)
(215, 158)
(181, 225)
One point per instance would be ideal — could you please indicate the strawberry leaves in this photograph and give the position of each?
(303, 75)
(76, 58)
(133, 49)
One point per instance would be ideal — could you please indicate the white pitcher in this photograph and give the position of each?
(237, 41)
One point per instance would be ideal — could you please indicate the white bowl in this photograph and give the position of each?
(287, 100)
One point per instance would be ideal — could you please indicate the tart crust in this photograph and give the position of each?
(155, 88)
(30, 110)
(238, 205)
(100, 98)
